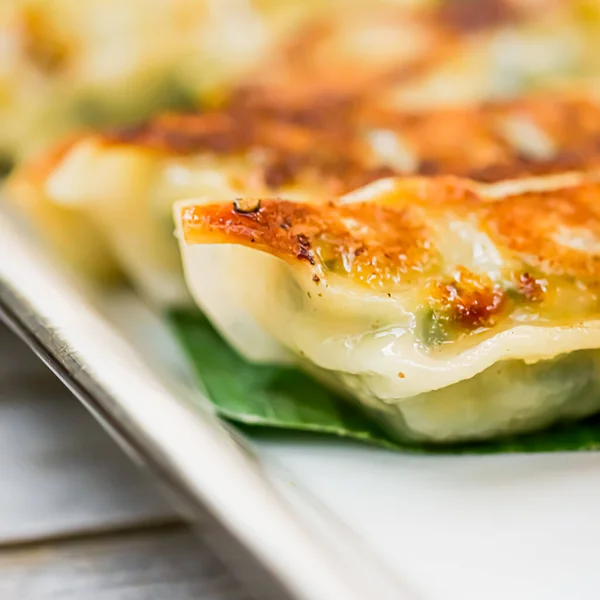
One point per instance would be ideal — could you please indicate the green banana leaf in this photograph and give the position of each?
(284, 398)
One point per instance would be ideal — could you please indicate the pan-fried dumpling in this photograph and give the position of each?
(71, 64)
(125, 182)
(452, 309)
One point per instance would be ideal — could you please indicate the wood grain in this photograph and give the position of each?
(78, 521)
(60, 471)
(168, 564)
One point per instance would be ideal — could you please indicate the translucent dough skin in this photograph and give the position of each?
(505, 399)
(516, 298)
(73, 236)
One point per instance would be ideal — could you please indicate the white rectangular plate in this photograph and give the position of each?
(316, 518)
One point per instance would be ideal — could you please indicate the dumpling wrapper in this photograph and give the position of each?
(72, 235)
(123, 184)
(450, 310)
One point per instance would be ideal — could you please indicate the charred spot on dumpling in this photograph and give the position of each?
(246, 205)
(468, 300)
(528, 288)
(281, 171)
(304, 252)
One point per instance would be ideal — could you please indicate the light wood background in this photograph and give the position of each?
(77, 520)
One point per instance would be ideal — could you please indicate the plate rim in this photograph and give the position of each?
(264, 542)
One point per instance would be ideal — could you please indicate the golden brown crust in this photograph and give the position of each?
(334, 141)
(375, 244)
(556, 231)
(491, 152)
(392, 239)
(366, 53)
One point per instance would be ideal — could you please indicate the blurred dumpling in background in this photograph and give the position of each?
(74, 237)
(444, 52)
(68, 64)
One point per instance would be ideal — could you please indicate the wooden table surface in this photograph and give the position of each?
(77, 520)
